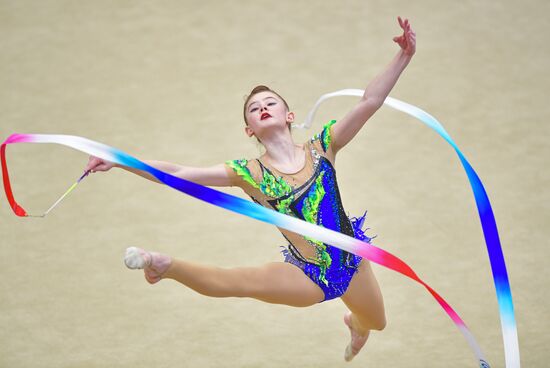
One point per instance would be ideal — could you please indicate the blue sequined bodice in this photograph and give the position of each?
(317, 200)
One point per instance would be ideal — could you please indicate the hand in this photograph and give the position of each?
(98, 164)
(407, 41)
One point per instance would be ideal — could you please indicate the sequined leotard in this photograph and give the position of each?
(310, 194)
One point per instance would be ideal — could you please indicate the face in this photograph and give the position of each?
(265, 111)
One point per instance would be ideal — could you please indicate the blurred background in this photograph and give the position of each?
(166, 81)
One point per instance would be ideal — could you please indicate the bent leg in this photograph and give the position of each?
(275, 282)
(364, 299)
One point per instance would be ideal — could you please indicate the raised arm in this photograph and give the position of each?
(377, 90)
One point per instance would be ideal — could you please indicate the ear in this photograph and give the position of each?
(290, 117)
(249, 132)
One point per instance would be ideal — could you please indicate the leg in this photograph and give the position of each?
(366, 304)
(364, 299)
(275, 282)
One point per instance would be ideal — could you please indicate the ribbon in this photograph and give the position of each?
(269, 216)
(486, 216)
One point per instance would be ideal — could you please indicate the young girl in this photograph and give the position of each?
(298, 180)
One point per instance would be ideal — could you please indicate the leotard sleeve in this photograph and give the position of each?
(323, 141)
(241, 173)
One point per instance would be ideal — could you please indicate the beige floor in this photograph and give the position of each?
(166, 80)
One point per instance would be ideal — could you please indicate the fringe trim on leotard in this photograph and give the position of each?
(357, 223)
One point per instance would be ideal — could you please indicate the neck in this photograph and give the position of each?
(281, 149)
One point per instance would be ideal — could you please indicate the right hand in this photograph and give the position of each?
(407, 41)
(98, 164)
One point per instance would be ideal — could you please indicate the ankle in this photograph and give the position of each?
(169, 270)
(159, 260)
(157, 268)
(358, 327)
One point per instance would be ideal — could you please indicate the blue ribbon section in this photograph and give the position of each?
(487, 218)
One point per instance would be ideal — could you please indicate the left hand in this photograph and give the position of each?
(407, 41)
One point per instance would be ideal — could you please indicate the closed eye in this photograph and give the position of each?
(269, 104)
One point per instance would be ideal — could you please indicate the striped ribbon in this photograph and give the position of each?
(298, 226)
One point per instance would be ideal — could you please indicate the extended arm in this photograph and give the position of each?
(377, 90)
(216, 175)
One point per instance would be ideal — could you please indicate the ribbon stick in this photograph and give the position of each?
(65, 194)
(243, 207)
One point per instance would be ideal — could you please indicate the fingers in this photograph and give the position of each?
(96, 164)
(92, 162)
(411, 35)
(102, 167)
(407, 41)
(407, 30)
(400, 40)
(403, 24)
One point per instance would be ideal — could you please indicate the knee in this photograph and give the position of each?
(380, 324)
(377, 323)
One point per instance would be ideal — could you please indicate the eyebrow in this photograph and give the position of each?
(250, 104)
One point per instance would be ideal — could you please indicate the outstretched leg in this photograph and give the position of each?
(275, 282)
(364, 299)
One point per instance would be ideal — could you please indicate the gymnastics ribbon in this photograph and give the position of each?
(488, 223)
(244, 207)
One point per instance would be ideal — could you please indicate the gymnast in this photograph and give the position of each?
(298, 180)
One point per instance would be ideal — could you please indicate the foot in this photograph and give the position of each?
(357, 340)
(153, 264)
